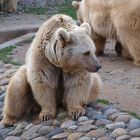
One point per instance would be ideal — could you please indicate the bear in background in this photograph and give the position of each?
(111, 19)
(60, 49)
(11, 5)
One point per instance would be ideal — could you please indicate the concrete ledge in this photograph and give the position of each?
(7, 34)
(17, 40)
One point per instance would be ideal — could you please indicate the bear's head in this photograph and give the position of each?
(78, 6)
(75, 50)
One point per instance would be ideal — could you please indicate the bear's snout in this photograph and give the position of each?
(98, 67)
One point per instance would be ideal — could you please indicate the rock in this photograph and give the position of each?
(12, 138)
(29, 126)
(103, 138)
(97, 117)
(60, 136)
(135, 138)
(56, 123)
(116, 125)
(115, 115)
(86, 122)
(4, 132)
(102, 122)
(4, 82)
(86, 128)
(40, 138)
(44, 130)
(95, 133)
(10, 71)
(73, 127)
(133, 124)
(31, 133)
(74, 136)
(135, 132)
(123, 137)
(85, 138)
(55, 132)
(110, 112)
(118, 132)
(83, 118)
(7, 66)
(2, 71)
(48, 123)
(1, 64)
(92, 113)
(123, 118)
(2, 97)
(68, 124)
(1, 105)
(2, 126)
(62, 115)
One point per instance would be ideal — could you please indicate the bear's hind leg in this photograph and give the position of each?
(17, 100)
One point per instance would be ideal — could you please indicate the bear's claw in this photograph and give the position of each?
(45, 116)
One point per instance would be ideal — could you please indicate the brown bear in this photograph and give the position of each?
(11, 5)
(111, 19)
(60, 47)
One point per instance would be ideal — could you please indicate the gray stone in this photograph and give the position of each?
(74, 136)
(135, 132)
(96, 133)
(102, 122)
(44, 130)
(115, 115)
(103, 138)
(73, 127)
(116, 125)
(4, 132)
(40, 138)
(97, 117)
(1, 105)
(60, 136)
(86, 128)
(4, 82)
(28, 126)
(86, 122)
(85, 138)
(55, 132)
(12, 138)
(110, 111)
(31, 133)
(135, 138)
(48, 123)
(68, 124)
(119, 132)
(2, 97)
(123, 118)
(133, 124)
(7, 66)
(123, 137)
(83, 118)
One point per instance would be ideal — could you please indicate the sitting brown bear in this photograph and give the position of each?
(60, 46)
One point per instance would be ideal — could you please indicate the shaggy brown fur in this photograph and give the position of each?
(111, 19)
(60, 48)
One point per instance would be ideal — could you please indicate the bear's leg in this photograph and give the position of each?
(12, 6)
(18, 98)
(99, 43)
(94, 89)
(44, 95)
(75, 94)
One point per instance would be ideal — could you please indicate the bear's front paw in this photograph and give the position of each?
(75, 113)
(44, 116)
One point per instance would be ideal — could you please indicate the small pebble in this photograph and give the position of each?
(95, 133)
(123, 137)
(68, 124)
(74, 136)
(85, 138)
(83, 118)
(115, 125)
(135, 132)
(73, 127)
(60, 136)
(118, 132)
(86, 128)
(123, 118)
(110, 112)
(133, 124)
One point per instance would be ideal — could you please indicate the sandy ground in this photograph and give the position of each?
(121, 79)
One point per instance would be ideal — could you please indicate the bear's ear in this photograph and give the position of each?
(76, 4)
(86, 27)
(63, 36)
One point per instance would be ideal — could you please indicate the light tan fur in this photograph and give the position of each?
(11, 5)
(60, 46)
(111, 19)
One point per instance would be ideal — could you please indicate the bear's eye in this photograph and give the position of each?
(87, 53)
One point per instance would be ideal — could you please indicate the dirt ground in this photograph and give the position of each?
(121, 79)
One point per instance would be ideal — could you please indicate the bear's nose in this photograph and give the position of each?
(98, 67)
